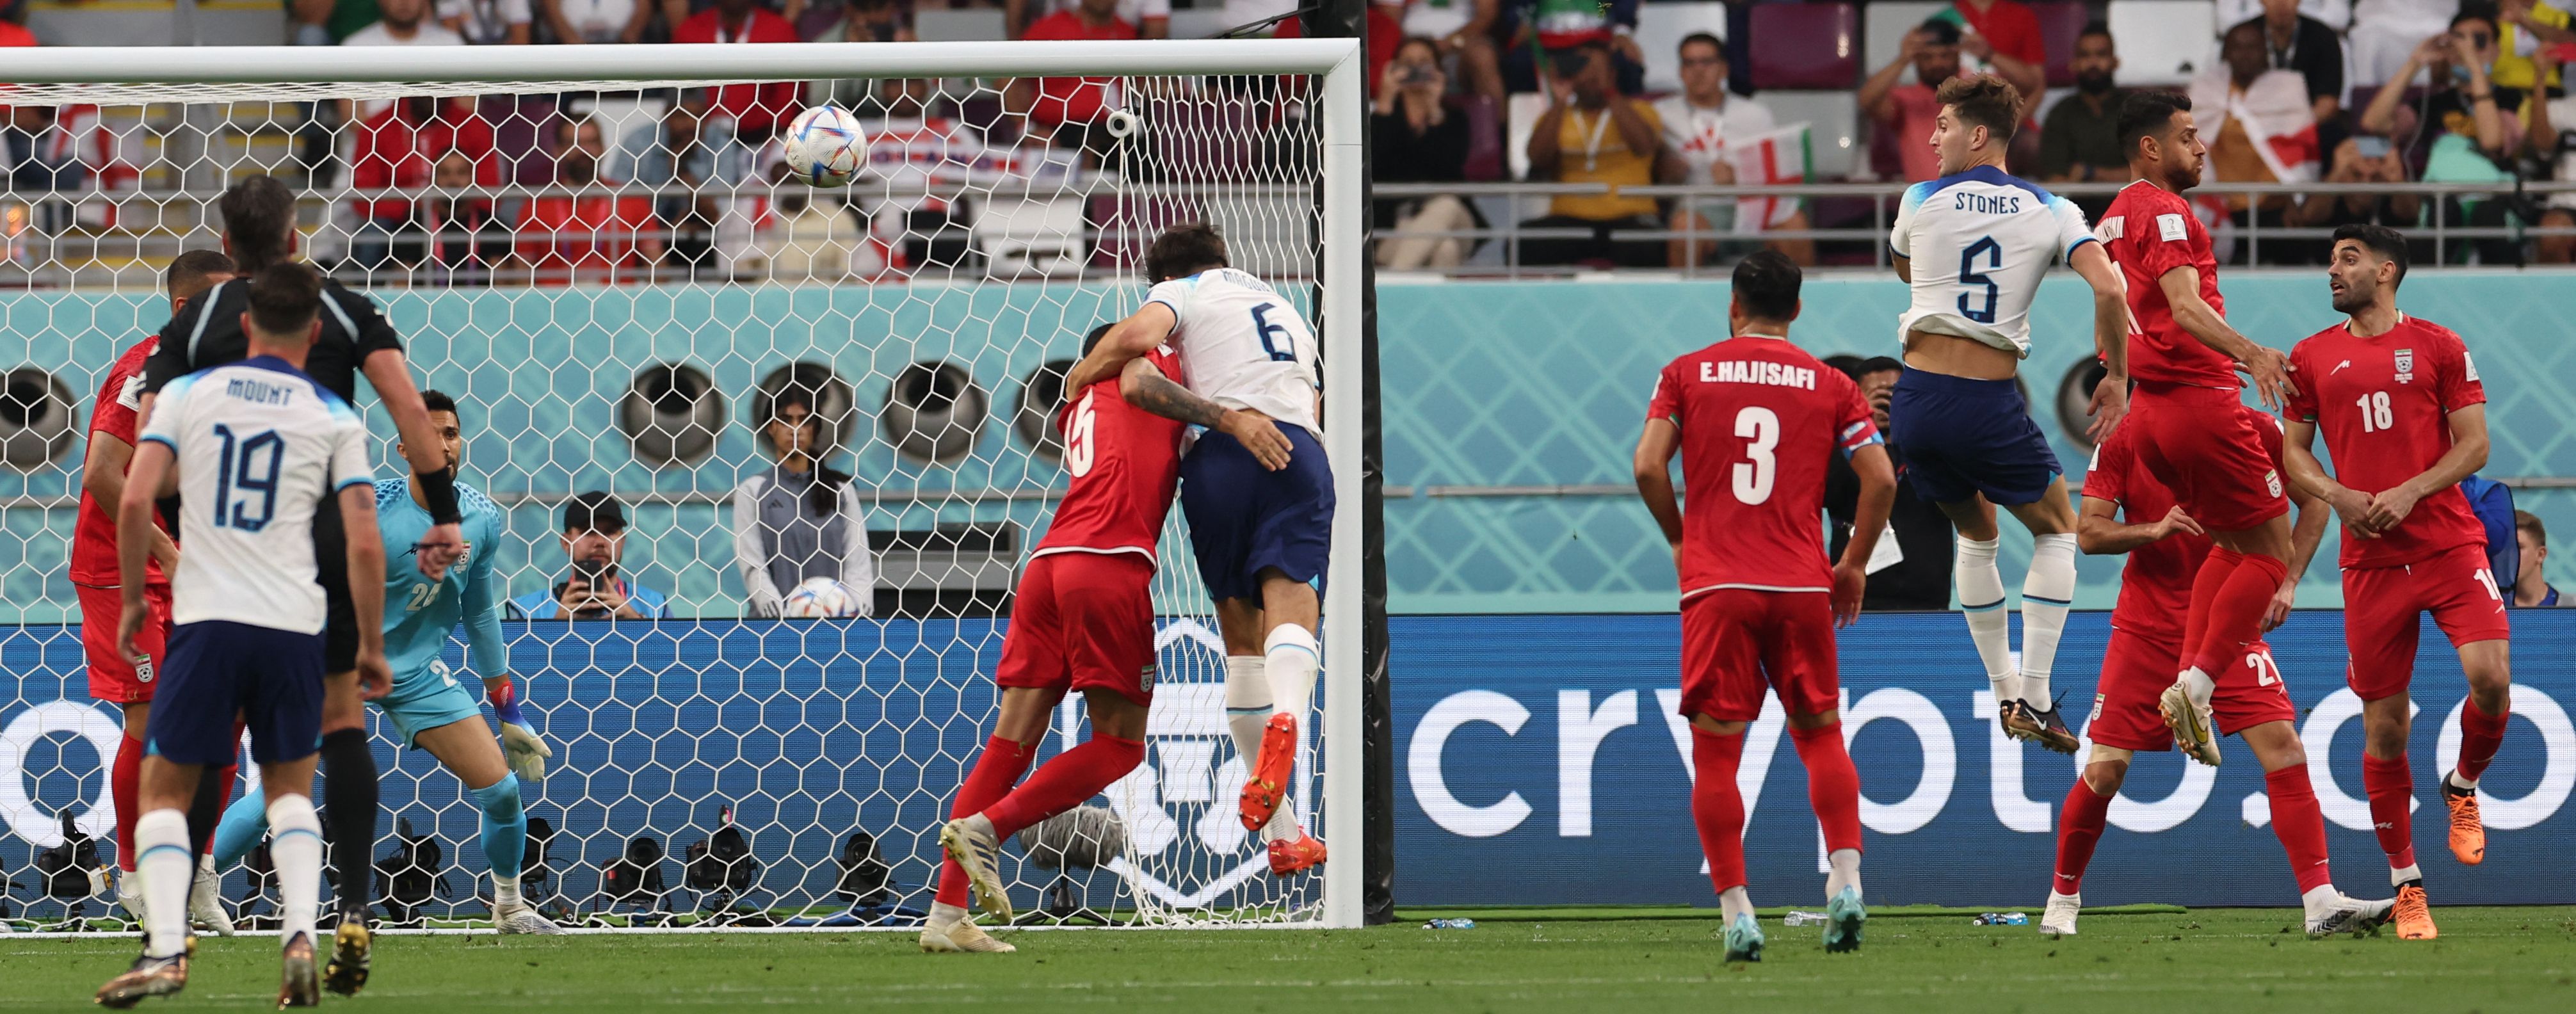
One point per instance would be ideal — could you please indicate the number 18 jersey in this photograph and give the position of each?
(1243, 344)
(1760, 420)
(259, 444)
(1980, 241)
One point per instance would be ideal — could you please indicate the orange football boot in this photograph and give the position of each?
(2468, 833)
(1268, 786)
(2414, 914)
(1291, 855)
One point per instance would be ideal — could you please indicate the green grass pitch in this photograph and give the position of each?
(2488, 960)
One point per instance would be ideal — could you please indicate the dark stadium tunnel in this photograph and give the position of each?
(934, 412)
(671, 414)
(36, 419)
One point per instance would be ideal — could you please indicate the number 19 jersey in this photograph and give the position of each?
(1980, 241)
(1243, 344)
(259, 444)
(1760, 420)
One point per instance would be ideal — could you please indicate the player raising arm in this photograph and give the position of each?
(2127, 511)
(254, 448)
(1083, 619)
(1756, 421)
(127, 680)
(1974, 245)
(429, 710)
(2405, 418)
(2184, 357)
(1262, 533)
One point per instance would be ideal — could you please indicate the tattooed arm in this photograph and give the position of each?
(1145, 387)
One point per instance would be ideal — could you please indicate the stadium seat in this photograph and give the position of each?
(971, 25)
(1520, 111)
(1199, 22)
(2163, 42)
(1485, 159)
(1805, 46)
(1884, 36)
(1030, 237)
(1660, 28)
(2059, 26)
(1127, 223)
(1833, 118)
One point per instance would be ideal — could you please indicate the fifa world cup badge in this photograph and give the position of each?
(2405, 366)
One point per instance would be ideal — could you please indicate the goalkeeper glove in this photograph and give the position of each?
(527, 753)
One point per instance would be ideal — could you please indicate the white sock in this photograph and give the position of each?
(2399, 875)
(1842, 870)
(1290, 656)
(2045, 596)
(1734, 902)
(2319, 900)
(505, 892)
(2462, 784)
(295, 848)
(944, 915)
(2198, 685)
(162, 859)
(1981, 595)
(1247, 704)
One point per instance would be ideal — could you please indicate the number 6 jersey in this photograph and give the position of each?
(259, 444)
(1760, 419)
(1244, 345)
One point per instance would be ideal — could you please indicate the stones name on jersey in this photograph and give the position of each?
(1757, 371)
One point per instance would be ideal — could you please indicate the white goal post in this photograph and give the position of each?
(1331, 76)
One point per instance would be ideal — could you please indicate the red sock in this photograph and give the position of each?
(2391, 786)
(996, 770)
(1833, 788)
(1063, 783)
(2300, 824)
(2236, 618)
(2079, 829)
(124, 785)
(2205, 585)
(223, 776)
(1716, 807)
(2480, 735)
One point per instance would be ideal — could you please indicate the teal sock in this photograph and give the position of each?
(505, 827)
(244, 823)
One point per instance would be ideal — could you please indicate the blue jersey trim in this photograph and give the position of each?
(155, 438)
(2072, 247)
(355, 480)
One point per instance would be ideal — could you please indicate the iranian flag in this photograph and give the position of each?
(1771, 157)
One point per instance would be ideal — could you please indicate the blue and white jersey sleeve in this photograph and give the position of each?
(164, 425)
(2072, 230)
(1175, 296)
(1899, 238)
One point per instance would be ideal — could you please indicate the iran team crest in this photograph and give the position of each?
(2405, 366)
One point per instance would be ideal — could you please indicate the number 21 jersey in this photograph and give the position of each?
(1243, 344)
(1760, 419)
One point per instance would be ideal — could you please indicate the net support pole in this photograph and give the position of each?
(1346, 376)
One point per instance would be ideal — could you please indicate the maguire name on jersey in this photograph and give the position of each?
(1243, 345)
(259, 444)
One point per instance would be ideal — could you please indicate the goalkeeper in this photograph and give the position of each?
(429, 710)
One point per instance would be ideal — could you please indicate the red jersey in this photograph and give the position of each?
(1074, 99)
(2149, 231)
(94, 534)
(1760, 420)
(1125, 463)
(2155, 585)
(756, 108)
(2384, 405)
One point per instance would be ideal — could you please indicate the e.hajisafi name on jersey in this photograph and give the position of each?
(1243, 345)
(420, 614)
(1980, 241)
(259, 444)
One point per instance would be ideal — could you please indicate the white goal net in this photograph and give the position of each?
(602, 257)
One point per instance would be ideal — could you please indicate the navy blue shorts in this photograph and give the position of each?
(1244, 518)
(216, 668)
(1961, 437)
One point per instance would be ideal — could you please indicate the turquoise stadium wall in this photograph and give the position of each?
(1484, 385)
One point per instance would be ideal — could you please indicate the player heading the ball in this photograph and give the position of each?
(1974, 245)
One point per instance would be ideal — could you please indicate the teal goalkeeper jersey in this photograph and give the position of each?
(419, 613)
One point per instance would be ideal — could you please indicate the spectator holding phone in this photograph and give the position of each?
(594, 537)
(1419, 140)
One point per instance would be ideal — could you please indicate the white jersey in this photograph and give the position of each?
(259, 444)
(1980, 242)
(1243, 345)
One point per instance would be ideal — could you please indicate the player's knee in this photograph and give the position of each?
(500, 800)
(2104, 775)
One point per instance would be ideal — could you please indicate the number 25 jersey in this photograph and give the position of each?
(259, 444)
(1243, 344)
(1760, 420)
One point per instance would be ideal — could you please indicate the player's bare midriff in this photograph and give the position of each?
(1954, 356)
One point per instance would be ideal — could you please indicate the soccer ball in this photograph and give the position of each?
(825, 146)
(818, 598)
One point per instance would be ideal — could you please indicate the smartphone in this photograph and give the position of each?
(2371, 147)
(590, 572)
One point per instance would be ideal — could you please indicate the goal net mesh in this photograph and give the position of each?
(618, 281)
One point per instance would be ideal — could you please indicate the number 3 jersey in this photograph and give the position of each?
(1243, 345)
(1124, 462)
(2384, 404)
(1979, 242)
(259, 444)
(1760, 420)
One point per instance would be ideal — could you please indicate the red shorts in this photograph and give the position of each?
(112, 676)
(2136, 670)
(2380, 606)
(1736, 643)
(2195, 442)
(1082, 621)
